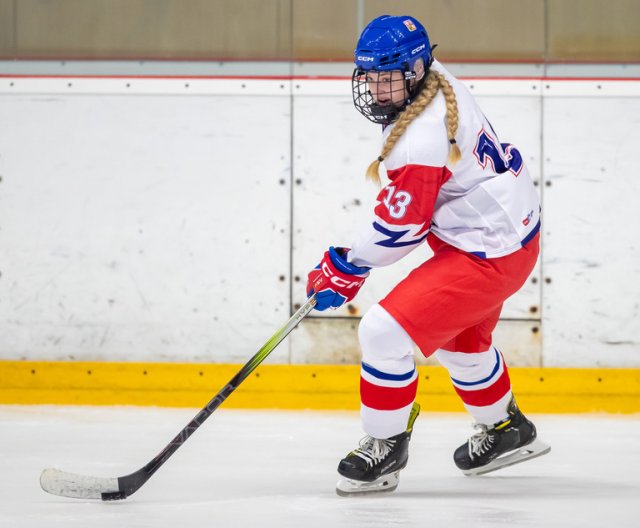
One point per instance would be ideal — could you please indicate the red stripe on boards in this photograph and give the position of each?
(387, 398)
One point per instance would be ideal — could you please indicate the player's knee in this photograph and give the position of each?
(382, 338)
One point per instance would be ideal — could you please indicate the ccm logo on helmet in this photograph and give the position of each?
(365, 59)
(419, 48)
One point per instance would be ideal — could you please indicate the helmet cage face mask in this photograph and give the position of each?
(387, 113)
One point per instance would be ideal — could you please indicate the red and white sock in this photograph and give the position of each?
(388, 377)
(481, 379)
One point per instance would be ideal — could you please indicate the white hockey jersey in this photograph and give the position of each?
(485, 204)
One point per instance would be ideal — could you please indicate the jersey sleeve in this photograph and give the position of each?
(402, 216)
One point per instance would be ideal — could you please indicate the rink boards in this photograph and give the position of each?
(548, 390)
(175, 219)
(167, 224)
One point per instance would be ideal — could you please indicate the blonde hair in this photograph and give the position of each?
(435, 81)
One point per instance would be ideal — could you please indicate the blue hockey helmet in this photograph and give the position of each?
(392, 43)
(389, 43)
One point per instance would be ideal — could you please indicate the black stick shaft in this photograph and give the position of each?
(129, 484)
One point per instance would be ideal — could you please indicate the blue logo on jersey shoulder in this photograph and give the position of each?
(393, 237)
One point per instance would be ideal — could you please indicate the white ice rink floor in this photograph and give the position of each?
(277, 469)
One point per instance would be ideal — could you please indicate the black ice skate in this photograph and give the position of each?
(506, 443)
(375, 465)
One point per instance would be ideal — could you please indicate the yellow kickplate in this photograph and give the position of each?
(547, 390)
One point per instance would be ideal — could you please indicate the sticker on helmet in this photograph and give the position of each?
(410, 25)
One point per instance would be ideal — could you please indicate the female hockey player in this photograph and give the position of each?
(453, 184)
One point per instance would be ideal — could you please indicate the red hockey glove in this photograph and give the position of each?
(335, 281)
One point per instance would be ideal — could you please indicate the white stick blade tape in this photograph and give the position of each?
(66, 484)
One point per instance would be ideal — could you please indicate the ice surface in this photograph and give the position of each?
(277, 469)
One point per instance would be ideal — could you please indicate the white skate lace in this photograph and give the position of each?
(480, 442)
(373, 450)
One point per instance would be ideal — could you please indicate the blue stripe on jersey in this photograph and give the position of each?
(533, 233)
(385, 376)
(394, 236)
(523, 242)
(479, 382)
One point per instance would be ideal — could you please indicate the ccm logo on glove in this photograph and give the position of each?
(335, 281)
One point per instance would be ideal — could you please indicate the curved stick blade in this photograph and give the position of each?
(65, 484)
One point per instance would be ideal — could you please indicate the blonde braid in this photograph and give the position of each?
(434, 82)
(452, 118)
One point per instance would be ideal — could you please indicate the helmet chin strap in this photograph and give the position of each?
(412, 77)
(389, 114)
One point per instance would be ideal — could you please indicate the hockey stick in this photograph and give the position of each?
(66, 484)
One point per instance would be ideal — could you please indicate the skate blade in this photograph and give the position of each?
(533, 450)
(349, 488)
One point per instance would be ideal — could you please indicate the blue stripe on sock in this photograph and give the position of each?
(479, 382)
(385, 376)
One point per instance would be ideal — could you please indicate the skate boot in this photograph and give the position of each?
(375, 465)
(506, 443)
